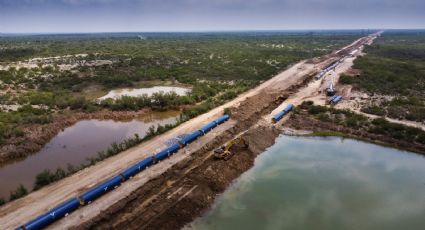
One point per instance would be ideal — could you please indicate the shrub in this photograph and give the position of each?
(377, 110)
(345, 79)
(18, 193)
(316, 109)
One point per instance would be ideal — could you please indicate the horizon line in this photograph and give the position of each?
(200, 31)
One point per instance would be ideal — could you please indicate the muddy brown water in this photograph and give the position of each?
(75, 144)
(324, 183)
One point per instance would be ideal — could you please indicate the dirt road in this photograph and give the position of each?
(247, 109)
(314, 90)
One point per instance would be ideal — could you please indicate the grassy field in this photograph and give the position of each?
(217, 66)
(395, 66)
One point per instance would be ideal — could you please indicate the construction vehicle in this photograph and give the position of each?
(330, 91)
(224, 152)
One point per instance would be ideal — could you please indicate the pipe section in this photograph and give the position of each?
(92, 194)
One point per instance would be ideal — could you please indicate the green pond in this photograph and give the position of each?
(324, 183)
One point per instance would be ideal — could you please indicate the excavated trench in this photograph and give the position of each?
(187, 189)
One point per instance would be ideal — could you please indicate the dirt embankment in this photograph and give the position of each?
(189, 188)
(186, 190)
(36, 136)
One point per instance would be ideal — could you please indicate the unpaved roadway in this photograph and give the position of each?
(247, 105)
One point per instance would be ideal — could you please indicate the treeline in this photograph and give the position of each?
(11, 123)
(14, 54)
(380, 126)
(47, 177)
(39, 107)
(410, 108)
(394, 65)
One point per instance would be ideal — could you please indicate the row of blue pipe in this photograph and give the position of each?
(335, 99)
(72, 204)
(330, 67)
(282, 113)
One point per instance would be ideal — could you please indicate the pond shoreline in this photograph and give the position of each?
(302, 181)
(81, 145)
(205, 180)
(322, 128)
(36, 135)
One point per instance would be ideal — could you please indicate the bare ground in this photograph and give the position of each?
(178, 189)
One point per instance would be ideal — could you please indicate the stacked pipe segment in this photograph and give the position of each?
(92, 194)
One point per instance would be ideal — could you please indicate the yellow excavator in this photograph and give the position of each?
(224, 152)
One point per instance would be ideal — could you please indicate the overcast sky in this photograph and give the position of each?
(29, 16)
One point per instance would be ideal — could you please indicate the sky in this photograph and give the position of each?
(63, 16)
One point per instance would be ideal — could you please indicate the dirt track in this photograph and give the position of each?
(123, 206)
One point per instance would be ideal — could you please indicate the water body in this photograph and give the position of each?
(324, 183)
(74, 145)
(117, 93)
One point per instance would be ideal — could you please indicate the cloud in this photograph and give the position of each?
(139, 15)
(82, 2)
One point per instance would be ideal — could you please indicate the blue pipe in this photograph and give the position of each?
(282, 113)
(332, 98)
(174, 148)
(191, 137)
(71, 205)
(208, 127)
(337, 99)
(130, 172)
(54, 214)
(161, 155)
(101, 189)
(222, 119)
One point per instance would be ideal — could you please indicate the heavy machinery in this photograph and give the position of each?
(224, 152)
(69, 206)
(330, 91)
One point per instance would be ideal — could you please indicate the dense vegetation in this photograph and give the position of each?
(216, 66)
(356, 121)
(394, 65)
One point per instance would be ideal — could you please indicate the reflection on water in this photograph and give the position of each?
(74, 145)
(324, 183)
(116, 93)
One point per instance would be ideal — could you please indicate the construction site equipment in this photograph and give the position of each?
(224, 152)
(97, 191)
(329, 68)
(282, 113)
(331, 98)
(330, 91)
(336, 99)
